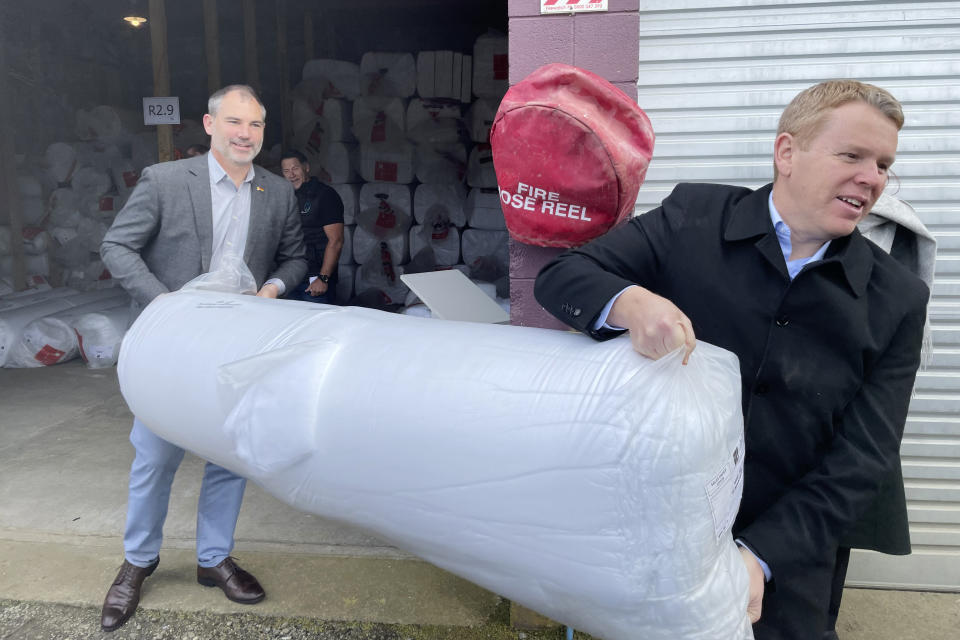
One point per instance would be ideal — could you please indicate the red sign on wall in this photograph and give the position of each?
(572, 6)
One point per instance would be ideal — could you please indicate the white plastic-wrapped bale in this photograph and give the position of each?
(490, 66)
(346, 253)
(346, 274)
(483, 209)
(384, 73)
(32, 209)
(125, 176)
(383, 279)
(433, 121)
(480, 171)
(576, 478)
(387, 162)
(417, 310)
(33, 264)
(28, 297)
(350, 197)
(12, 321)
(441, 238)
(375, 246)
(486, 253)
(378, 119)
(441, 164)
(100, 333)
(35, 240)
(52, 339)
(333, 163)
(440, 200)
(105, 123)
(60, 159)
(382, 224)
(341, 78)
(330, 121)
(90, 183)
(480, 119)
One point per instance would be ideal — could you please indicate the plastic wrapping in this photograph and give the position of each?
(480, 118)
(13, 321)
(383, 279)
(433, 121)
(341, 78)
(486, 253)
(333, 163)
(440, 237)
(346, 253)
(388, 74)
(490, 65)
(483, 209)
(387, 162)
(52, 339)
(442, 199)
(441, 164)
(570, 476)
(379, 120)
(480, 171)
(100, 333)
(350, 197)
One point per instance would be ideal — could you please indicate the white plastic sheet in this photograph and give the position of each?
(483, 209)
(350, 197)
(570, 476)
(384, 73)
(440, 199)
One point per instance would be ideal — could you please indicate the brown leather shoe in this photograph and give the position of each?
(238, 585)
(124, 595)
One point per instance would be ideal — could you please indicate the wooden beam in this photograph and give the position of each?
(251, 67)
(161, 73)
(9, 187)
(211, 32)
(283, 63)
(309, 53)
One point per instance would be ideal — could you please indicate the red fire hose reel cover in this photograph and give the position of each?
(570, 151)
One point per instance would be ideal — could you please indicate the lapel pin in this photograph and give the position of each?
(260, 189)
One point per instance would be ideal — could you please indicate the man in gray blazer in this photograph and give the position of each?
(183, 219)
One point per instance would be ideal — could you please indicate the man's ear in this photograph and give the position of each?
(208, 124)
(783, 149)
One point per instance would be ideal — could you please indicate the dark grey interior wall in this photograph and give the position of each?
(64, 55)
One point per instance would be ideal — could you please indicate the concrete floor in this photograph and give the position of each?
(64, 459)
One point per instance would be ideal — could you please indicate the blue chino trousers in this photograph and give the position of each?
(151, 477)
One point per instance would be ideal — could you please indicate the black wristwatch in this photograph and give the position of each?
(324, 279)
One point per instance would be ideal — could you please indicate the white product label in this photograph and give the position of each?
(725, 489)
(98, 352)
(161, 110)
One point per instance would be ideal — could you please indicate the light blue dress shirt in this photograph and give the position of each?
(231, 216)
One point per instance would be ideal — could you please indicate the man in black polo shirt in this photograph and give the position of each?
(321, 216)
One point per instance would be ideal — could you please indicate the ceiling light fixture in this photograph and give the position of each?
(135, 21)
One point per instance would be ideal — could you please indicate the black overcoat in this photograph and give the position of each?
(827, 364)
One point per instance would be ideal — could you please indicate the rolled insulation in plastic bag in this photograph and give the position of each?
(576, 478)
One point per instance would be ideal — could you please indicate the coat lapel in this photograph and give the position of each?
(258, 205)
(750, 218)
(198, 184)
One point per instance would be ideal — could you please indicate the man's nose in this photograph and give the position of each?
(872, 175)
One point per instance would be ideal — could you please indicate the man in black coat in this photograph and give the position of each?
(826, 325)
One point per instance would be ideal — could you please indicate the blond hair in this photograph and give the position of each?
(807, 112)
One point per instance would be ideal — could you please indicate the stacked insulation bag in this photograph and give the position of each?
(578, 479)
(70, 195)
(411, 131)
(43, 328)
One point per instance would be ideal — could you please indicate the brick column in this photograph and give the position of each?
(605, 43)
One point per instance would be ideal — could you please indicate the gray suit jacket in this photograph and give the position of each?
(163, 236)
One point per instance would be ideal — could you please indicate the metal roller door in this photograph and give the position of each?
(714, 77)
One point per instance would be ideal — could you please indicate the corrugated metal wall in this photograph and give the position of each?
(714, 77)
